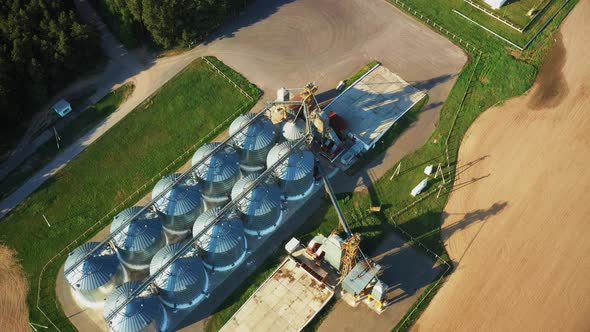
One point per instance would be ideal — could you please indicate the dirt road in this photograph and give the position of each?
(519, 237)
(288, 43)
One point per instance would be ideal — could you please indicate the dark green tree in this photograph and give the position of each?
(43, 45)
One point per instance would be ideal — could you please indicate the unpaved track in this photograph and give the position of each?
(14, 313)
(519, 236)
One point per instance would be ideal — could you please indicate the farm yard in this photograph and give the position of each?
(491, 210)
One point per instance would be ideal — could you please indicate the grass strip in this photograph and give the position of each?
(348, 82)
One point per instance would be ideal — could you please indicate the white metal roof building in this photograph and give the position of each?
(373, 103)
(287, 301)
(359, 277)
(62, 108)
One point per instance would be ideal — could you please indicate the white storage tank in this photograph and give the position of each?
(144, 312)
(183, 283)
(223, 245)
(140, 239)
(293, 129)
(180, 206)
(94, 278)
(253, 142)
(260, 208)
(295, 174)
(219, 172)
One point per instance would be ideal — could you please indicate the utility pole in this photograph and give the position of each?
(46, 221)
(57, 138)
(396, 172)
(440, 171)
(35, 326)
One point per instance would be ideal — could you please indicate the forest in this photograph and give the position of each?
(166, 24)
(43, 45)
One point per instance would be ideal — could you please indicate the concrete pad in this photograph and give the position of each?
(285, 309)
(379, 99)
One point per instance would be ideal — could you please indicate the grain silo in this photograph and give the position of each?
(260, 208)
(180, 206)
(293, 129)
(183, 283)
(219, 172)
(140, 239)
(143, 313)
(95, 277)
(295, 173)
(223, 245)
(253, 142)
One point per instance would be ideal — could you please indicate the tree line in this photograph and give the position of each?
(168, 24)
(43, 45)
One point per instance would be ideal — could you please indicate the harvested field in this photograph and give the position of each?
(517, 223)
(14, 314)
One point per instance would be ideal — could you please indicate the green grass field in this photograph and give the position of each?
(184, 111)
(74, 130)
(442, 13)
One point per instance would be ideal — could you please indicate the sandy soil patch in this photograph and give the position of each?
(519, 235)
(14, 314)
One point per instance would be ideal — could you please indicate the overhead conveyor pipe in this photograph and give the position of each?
(330, 192)
(221, 213)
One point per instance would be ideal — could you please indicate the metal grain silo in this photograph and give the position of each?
(295, 174)
(95, 277)
(183, 283)
(260, 209)
(144, 312)
(223, 245)
(293, 130)
(140, 239)
(253, 142)
(180, 206)
(219, 172)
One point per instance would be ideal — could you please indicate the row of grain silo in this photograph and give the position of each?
(186, 206)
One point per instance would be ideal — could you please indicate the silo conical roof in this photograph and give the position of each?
(141, 233)
(223, 236)
(299, 163)
(95, 271)
(262, 199)
(185, 273)
(223, 244)
(223, 165)
(257, 135)
(142, 313)
(294, 129)
(185, 197)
